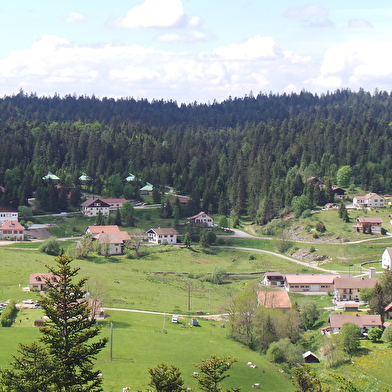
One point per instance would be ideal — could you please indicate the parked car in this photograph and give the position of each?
(28, 302)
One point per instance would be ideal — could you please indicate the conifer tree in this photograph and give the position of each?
(63, 359)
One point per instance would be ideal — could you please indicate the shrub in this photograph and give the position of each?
(320, 227)
(50, 246)
(306, 214)
(374, 334)
(8, 315)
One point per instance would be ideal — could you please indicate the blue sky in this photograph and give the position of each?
(193, 50)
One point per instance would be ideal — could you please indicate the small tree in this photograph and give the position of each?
(203, 239)
(166, 378)
(85, 245)
(387, 334)
(306, 381)
(187, 239)
(349, 337)
(284, 351)
(136, 241)
(223, 223)
(309, 313)
(374, 334)
(117, 220)
(218, 275)
(100, 220)
(213, 372)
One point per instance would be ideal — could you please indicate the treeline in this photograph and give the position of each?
(250, 155)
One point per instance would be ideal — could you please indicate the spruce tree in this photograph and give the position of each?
(63, 359)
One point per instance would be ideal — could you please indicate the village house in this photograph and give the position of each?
(12, 230)
(110, 236)
(52, 177)
(131, 178)
(368, 225)
(296, 283)
(339, 193)
(370, 200)
(160, 236)
(274, 299)
(201, 219)
(388, 311)
(8, 213)
(386, 258)
(147, 189)
(92, 207)
(273, 279)
(348, 289)
(84, 179)
(114, 203)
(364, 322)
(37, 281)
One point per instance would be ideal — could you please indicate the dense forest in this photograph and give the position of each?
(250, 155)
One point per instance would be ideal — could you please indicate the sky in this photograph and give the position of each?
(193, 50)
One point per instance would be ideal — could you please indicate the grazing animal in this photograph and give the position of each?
(195, 374)
(256, 385)
(249, 363)
(126, 389)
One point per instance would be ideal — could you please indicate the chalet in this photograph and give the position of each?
(147, 189)
(364, 321)
(114, 203)
(386, 258)
(296, 283)
(110, 236)
(52, 177)
(368, 225)
(338, 192)
(12, 230)
(38, 281)
(272, 299)
(160, 236)
(273, 279)
(92, 207)
(370, 200)
(201, 219)
(349, 288)
(8, 213)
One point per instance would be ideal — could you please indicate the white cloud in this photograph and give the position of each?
(307, 12)
(74, 17)
(155, 13)
(190, 36)
(359, 24)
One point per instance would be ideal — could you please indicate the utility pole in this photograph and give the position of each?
(111, 342)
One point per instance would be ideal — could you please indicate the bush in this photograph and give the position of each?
(306, 214)
(374, 334)
(9, 314)
(320, 227)
(387, 334)
(50, 246)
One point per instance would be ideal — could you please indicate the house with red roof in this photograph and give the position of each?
(160, 236)
(110, 237)
(296, 283)
(370, 200)
(201, 219)
(38, 281)
(12, 230)
(364, 322)
(348, 289)
(115, 203)
(368, 225)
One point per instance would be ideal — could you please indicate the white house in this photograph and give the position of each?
(160, 236)
(8, 213)
(371, 200)
(91, 207)
(386, 258)
(201, 219)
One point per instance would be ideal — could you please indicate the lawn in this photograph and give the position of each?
(139, 343)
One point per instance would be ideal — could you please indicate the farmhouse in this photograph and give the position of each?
(160, 236)
(114, 203)
(110, 237)
(11, 229)
(364, 321)
(371, 200)
(272, 299)
(38, 281)
(368, 225)
(92, 207)
(273, 279)
(296, 283)
(349, 288)
(8, 213)
(386, 258)
(201, 219)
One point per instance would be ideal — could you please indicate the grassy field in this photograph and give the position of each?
(139, 343)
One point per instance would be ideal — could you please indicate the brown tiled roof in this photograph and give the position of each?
(41, 278)
(109, 201)
(111, 238)
(355, 283)
(11, 225)
(367, 196)
(274, 299)
(369, 220)
(94, 230)
(7, 209)
(197, 215)
(337, 320)
(90, 203)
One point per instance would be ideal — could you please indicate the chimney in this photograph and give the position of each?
(372, 272)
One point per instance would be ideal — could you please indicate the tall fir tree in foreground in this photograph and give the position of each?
(63, 359)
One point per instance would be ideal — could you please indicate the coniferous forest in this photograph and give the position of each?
(250, 155)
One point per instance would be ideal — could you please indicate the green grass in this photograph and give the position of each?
(139, 343)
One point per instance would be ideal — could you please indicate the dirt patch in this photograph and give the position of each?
(38, 233)
(305, 255)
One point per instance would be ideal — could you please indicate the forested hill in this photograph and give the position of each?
(338, 106)
(250, 155)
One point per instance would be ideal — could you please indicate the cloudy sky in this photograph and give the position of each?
(194, 50)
